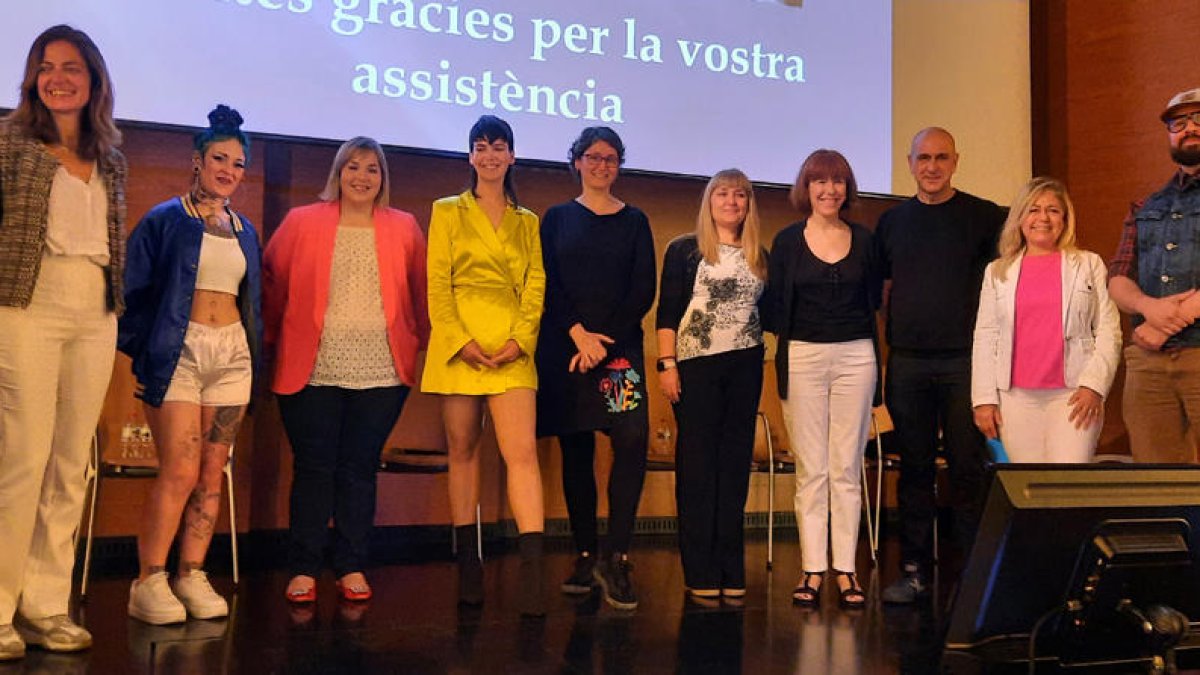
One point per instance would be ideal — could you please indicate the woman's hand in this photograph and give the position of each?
(511, 351)
(668, 381)
(591, 346)
(1087, 408)
(472, 355)
(987, 418)
(577, 364)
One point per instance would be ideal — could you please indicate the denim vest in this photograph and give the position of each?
(1168, 249)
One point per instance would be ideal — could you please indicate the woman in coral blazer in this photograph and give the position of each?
(486, 285)
(345, 315)
(1047, 337)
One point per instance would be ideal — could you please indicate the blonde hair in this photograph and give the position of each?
(707, 239)
(333, 184)
(1012, 240)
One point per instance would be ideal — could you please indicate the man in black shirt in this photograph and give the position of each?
(933, 249)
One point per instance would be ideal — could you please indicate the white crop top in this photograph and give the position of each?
(222, 264)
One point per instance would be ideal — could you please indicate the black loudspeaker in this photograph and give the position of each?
(1095, 565)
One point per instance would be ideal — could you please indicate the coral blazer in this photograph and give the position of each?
(296, 269)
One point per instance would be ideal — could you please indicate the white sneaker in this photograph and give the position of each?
(202, 602)
(11, 644)
(152, 601)
(53, 633)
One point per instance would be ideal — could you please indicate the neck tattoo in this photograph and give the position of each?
(213, 210)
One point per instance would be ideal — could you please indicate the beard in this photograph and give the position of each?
(1186, 156)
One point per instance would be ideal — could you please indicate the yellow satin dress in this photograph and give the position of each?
(485, 284)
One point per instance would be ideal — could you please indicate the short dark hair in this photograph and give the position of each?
(587, 138)
(490, 128)
(823, 164)
(224, 123)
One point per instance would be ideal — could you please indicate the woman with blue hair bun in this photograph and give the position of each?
(193, 330)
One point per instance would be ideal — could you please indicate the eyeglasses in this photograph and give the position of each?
(1178, 124)
(611, 161)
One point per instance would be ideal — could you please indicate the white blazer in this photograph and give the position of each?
(1091, 328)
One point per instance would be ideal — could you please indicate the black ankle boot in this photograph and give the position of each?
(470, 569)
(530, 599)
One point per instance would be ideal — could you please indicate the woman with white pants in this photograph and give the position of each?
(1047, 336)
(825, 284)
(62, 253)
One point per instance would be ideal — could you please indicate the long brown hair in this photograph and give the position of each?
(98, 134)
(707, 239)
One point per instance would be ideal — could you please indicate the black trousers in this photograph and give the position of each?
(337, 436)
(629, 434)
(715, 414)
(925, 394)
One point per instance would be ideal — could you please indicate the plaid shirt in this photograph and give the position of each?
(1124, 262)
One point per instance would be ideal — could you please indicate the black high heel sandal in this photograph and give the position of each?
(805, 594)
(851, 597)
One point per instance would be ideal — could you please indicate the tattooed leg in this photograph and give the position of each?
(177, 434)
(225, 423)
(204, 504)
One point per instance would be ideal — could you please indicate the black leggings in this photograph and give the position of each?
(629, 435)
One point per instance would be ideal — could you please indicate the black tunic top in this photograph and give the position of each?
(599, 273)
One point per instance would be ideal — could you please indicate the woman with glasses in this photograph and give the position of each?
(599, 257)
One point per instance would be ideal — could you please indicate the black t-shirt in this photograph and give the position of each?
(935, 255)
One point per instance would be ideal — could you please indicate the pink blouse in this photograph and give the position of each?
(1038, 325)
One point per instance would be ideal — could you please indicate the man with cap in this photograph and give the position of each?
(933, 249)
(1153, 277)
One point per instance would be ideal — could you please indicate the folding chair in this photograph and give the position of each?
(138, 459)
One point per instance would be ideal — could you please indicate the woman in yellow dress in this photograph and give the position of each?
(486, 285)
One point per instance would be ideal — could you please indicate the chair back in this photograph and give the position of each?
(417, 443)
(128, 450)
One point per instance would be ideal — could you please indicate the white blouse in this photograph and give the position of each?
(77, 217)
(354, 351)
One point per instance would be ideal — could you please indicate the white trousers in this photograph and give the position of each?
(56, 358)
(1035, 428)
(828, 406)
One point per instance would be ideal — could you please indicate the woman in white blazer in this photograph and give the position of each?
(1047, 336)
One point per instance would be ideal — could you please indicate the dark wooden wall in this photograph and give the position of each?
(287, 172)
(1102, 71)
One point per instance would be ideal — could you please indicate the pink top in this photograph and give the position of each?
(1038, 324)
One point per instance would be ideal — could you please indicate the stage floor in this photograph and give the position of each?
(414, 626)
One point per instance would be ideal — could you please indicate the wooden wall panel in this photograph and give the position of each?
(288, 173)
(1102, 72)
